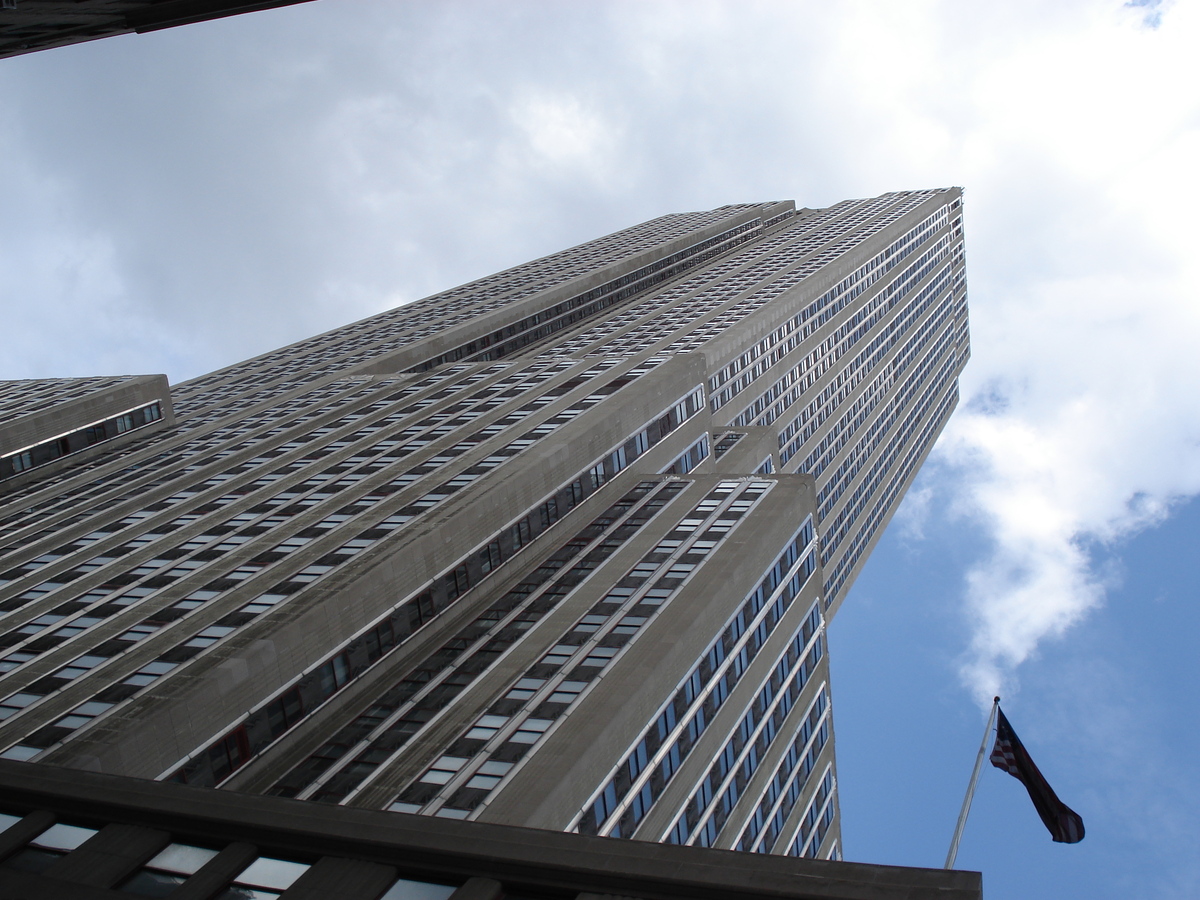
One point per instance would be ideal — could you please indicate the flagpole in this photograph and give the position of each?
(966, 807)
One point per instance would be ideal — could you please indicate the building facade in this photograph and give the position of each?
(556, 548)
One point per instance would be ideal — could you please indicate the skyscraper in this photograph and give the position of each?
(555, 548)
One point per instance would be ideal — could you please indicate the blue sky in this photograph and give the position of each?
(178, 201)
(1106, 711)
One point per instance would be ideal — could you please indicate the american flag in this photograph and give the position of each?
(1009, 754)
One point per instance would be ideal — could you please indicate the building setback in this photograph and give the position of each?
(555, 549)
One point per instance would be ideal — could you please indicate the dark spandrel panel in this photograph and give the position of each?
(31, 859)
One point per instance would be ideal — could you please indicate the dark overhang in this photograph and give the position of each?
(28, 25)
(521, 862)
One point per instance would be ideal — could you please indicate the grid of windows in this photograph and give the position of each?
(790, 779)
(825, 450)
(339, 768)
(920, 444)
(562, 315)
(545, 692)
(31, 395)
(291, 706)
(864, 229)
(814, 825)
(714, 798)
(600, 338)
(80, 439)
(726, 441)
(858, 325)
(688, 461)
(810, 419)
(224, 627)
(625, 797)
(319, 484)
(361, 342)
(737, 375)
(775, 255)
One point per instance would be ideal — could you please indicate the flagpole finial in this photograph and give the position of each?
(995, 699)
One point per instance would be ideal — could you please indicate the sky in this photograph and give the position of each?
(178, 201)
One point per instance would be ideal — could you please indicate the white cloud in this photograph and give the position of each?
(564, 132)
(1085, 308)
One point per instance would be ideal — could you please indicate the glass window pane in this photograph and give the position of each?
(238, 892)
(20, 751)
(7, 821)
(272, 873)
(62, 837)
(182, 858)
(153, 884)
(417, 890)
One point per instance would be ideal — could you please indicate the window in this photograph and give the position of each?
(590, 623)
(490, 557)
(264, 879)
(548, 512)
(149, 673)
(166, 871)
(530, 731)
(56, 841)
(404, 889)
(83, 714)
(205, 638)
(39, 623)
(600, 656)
(95, 434)
(629, 625)
(124, 423)
(458, 582)
(559, 655)
(525, 688)
(17, 702)
(443, 770)
(567, 692)
(522, 533)
(486, 727)
(137, 632)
